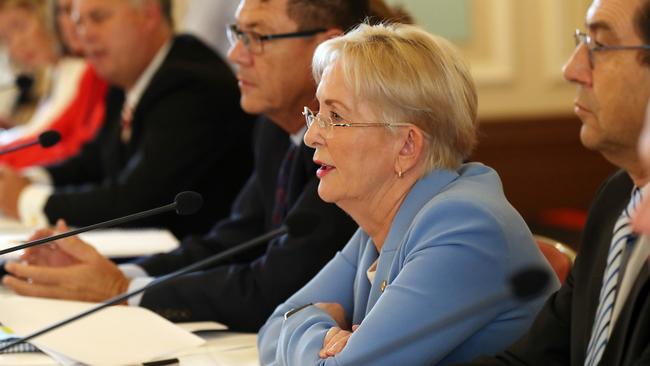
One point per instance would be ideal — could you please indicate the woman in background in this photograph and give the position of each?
(73, 103)
(397, 119)
(66, 29)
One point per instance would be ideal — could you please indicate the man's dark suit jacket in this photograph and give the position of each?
(245, 291)
(561, 332)
(189, 133)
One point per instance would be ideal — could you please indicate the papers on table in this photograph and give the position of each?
(222, 349)
(118, 335)
(202, 327)
(114, 243)
(7, 336)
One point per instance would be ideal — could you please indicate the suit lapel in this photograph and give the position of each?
(418, 197)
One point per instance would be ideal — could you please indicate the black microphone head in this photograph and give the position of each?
(49, 138)
(188, 203)
(302, 223)
(529, 283)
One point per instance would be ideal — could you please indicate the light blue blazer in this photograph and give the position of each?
(454, 242)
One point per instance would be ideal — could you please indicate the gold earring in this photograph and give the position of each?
(400, 174)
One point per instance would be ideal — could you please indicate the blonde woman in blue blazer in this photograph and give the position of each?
(397, 119)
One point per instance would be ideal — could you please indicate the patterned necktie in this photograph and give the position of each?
(281, 206)
(622, 237)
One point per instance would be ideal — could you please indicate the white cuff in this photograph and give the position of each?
(136, 284)
(131, 270)
(37, 175)
(31, 205)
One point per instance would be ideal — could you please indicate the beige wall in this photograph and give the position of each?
(179, 11)
(516, 50)
(518, 53)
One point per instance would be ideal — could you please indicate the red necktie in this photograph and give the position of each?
(281, 207)
(125, 125)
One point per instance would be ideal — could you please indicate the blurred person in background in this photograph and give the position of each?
(73, 103)
(20, 91)
(172, 123)
(66, 29)
(208, 19)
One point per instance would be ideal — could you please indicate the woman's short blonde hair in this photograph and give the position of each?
(43, 10)
(408, 75)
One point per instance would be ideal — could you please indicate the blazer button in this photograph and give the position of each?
(383, 286)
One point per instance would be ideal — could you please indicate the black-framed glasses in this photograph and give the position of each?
(327, 125)
(593, 46)
(254, 42)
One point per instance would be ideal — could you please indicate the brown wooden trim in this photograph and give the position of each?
(542, 163)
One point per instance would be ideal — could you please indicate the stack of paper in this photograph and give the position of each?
(119, 335)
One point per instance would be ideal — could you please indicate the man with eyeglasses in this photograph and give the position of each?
(272, 45)
(601, 315)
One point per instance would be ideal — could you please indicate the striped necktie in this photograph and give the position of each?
(622, 237)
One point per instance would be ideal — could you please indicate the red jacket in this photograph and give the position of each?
(77, 124)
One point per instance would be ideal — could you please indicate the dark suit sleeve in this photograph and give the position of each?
(247, 215)
(181, 141)
(246, 220)
(644, 359)
(86, 166)
(243, 294)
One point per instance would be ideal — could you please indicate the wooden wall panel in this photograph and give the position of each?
(542, 163)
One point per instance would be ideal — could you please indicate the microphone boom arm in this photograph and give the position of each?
(109, 223)
(19, 147)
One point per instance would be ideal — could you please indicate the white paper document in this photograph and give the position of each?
(113, 243)
(206, 326)
(118, 335)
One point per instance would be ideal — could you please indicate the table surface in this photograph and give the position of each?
(221, 348)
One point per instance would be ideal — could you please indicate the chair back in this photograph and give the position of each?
(559, 255)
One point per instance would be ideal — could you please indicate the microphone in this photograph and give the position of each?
(297, 225)
(524, 285)
(185, 203)
(46, 139)
(49, 138)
